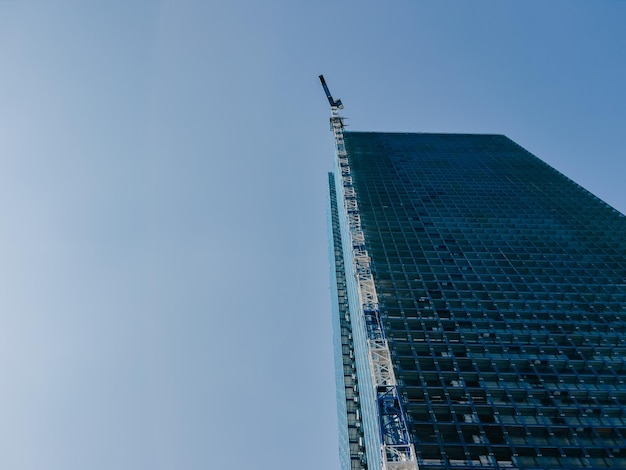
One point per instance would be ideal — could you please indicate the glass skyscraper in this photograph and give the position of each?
(479, 307)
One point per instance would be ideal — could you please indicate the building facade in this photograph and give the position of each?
(479, 307)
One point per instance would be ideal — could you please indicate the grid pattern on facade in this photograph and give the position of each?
(503, 288)
(352, 450)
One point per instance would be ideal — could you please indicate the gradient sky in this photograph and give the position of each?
(164, 296)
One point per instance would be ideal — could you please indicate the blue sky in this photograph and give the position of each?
(163, 273)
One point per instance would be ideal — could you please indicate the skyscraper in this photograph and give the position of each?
(479, 307)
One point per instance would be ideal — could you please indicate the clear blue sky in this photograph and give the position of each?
(163, 272)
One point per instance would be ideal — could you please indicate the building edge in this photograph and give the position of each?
(351, 447)
(385, 428)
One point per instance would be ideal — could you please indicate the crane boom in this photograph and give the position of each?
(333, 104)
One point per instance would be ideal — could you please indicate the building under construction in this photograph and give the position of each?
(479, 307)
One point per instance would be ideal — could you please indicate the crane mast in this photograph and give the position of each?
(387, 432)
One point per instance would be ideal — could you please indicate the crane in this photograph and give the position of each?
(333, 104)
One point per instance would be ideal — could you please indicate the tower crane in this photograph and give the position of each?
(387, 431)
